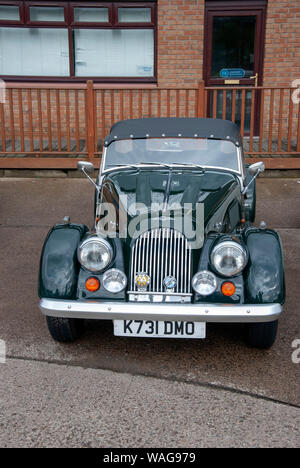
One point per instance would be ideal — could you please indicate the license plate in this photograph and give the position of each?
(159, 329)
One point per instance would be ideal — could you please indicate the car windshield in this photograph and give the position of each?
(202, 152)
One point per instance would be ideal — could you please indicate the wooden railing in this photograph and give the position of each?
(268, 118)
(53, 126)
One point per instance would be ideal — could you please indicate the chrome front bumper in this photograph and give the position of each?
(104, 310)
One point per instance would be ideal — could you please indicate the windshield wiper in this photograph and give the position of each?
(191, 165)
(132, 166)
(167, 166)
(138, 167)
(170, 166)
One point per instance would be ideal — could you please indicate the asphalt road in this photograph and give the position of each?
(252, 392)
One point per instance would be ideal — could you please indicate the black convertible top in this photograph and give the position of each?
(173, 127)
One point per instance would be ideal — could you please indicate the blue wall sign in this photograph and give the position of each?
(232, 73)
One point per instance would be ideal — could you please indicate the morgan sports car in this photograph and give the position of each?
(173, 246)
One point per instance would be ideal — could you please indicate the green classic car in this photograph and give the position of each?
(173, 246)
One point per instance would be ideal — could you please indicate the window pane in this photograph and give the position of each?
(134, 15)
(34, 52)
(91, 15)
(47, 14)
(9, 13)
(233, 44)
(114, 52)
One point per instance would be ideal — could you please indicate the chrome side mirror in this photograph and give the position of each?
(85, 166)
(254, 170)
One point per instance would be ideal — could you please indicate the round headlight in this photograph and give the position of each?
(114, 280)
(95, 254)
(204, 283)
(229, 258)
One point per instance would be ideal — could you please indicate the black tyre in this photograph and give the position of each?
(262, 335)
(64, 329)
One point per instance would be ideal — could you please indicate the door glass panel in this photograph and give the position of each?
(233, 44)
(238, 109)
(228, 107)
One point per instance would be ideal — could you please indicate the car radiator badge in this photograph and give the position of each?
(170, 283)
(142, 281)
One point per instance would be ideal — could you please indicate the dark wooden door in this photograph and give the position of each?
(234, 54)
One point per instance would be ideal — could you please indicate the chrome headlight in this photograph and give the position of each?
(114, 280)
(95, 254)
(229, 258)
(204, 283)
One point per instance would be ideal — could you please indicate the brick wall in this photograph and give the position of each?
(282, 61)
(282, 43)
(180, 42)
(181, 34)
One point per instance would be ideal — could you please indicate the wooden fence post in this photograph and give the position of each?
(201, 111)
(90, 114)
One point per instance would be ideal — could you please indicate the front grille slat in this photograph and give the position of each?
(133, 266)
(188, 270)
(151, 253)
(168, 254)
(170, 261)
(162, 252)
(158, 266)
(143, 242)
(147, 252)
(178, 263)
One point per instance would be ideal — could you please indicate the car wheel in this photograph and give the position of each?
(262, 335)
(64, 329)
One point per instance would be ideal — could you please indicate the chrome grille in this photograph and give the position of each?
(160, 253)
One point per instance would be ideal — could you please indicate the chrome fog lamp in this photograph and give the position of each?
(229, 258)
(114, 280)
(204, 283)
(95, 254)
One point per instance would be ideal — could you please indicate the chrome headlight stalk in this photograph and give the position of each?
(95, 254)
(228, 258)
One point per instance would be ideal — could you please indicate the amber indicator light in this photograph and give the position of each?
(92, 284)
(228, 288)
